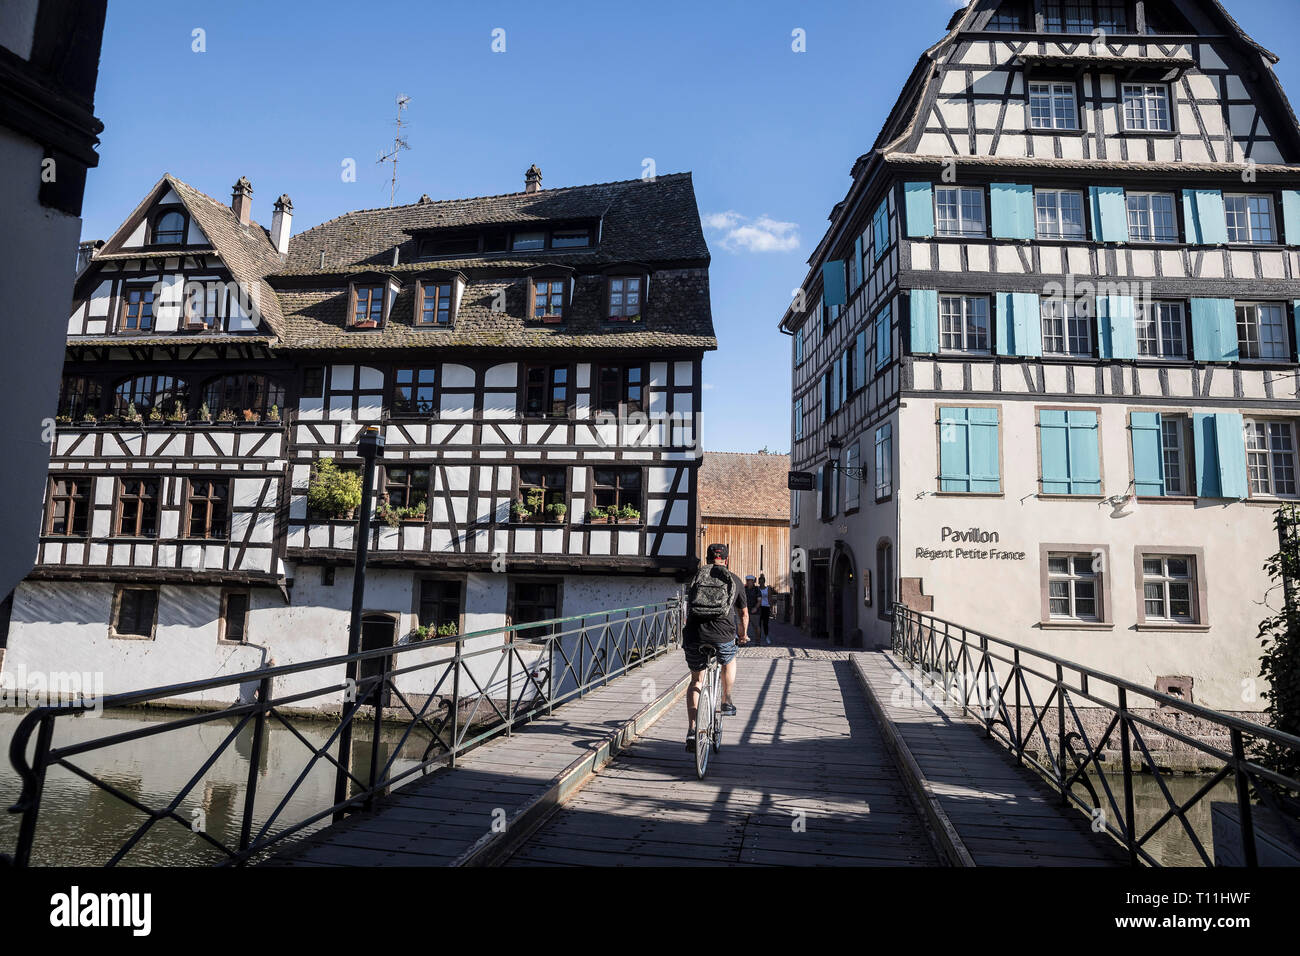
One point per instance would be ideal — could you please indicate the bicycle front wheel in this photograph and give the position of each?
(703, 732)
(717, 716)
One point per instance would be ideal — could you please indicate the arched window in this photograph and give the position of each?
(169, 230)
(243, 392)
(150, 391)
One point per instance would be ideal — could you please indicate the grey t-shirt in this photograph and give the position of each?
(723, 629)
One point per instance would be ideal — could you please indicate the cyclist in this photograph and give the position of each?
(716, 613)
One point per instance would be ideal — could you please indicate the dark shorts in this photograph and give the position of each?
(696, 660)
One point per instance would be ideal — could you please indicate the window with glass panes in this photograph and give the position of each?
(170, 229)
(534, 601)
(413, 391)
(619, 384)
(541, 487)
(884, 462)
(207, 506)
(624, 297)
(1161, 329)
(78, 395)
(1270, 458)
(1173, 452)
(137, 507)
(137, 309)
(234, 616)
(548, 298)
(439, 603)
(368, 304)
(1013, 15)
(546, 391)
(406, 487)
(1168, 581)
(959, 211)
(617, 488)
(1084, 16)
(885, 579)
(147, 391)
(1067, 327)
(135, 611)
(1059, 213)
(1250, 218)
(1261, 331)
(239, 393)
(963, 323)
(69, 508)
(1151, 217)
(435, 303)
(1146, 107)
(1073, 587)
(1053, 106)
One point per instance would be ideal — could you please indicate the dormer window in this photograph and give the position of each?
(570, 238)
(369, 301)
(1012, 16)
(435, 298)
(1084, 16)
(137, 309)
(625, 298)
(169, 229)
(549, 299)
(529, 241)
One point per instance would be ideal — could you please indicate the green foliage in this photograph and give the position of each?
(205, 415)
(155, 416)
(1280, 635)
(177, 414)
(558, 508)
(331, 490)
(274, 414)
(226, 415)
(133, 414)
(535, 498)
(596, 513)
(628, 513)
(394, 516)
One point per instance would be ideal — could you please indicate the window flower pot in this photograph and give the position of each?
(367, 324)
(552, 319)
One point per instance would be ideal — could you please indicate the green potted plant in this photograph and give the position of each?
(274, 414)
(595, 513)
(225, 416)
(447, 630)
(333, 492)
(557, 510)
(628, 515)
(204, 416)
(536, 499)
(520, 511)
(393, 516)
(133, 415)
(177, 415)
(88, 418)
(156, 416)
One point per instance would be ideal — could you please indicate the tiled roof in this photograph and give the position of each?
(733, 485)
(652, 222)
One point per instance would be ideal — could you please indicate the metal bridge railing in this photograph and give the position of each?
(996, 681)
(478, 686)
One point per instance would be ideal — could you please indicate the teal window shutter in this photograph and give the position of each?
(857, 256)
(1070, 458)
(925, 321)
(1291, 215)
(1203, 214)
(1214, 330)
(968, 450)
(919, 202)
(1117, 326)
(880, 226)
(1148, 454)
(1019, 324)
(1205, 446)
(833, 293)
(1013, 210)
(884, 336)
(1109, 213)
(1230, 434)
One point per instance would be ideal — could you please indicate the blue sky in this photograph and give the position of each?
(285, 92)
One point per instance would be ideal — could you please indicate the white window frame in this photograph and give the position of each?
(1173, 455)
(798, 418)
(1241, 222)
(1140, 231)
(1251, 330)
(1271, 465)
(1072, 579)
(1146, 97)
(1076, 331)
(1053, 209)
(968, 200)
(1156, 335)
(964, 316)
(1165, 580)
(1057, 114)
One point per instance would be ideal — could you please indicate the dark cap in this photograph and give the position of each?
(715, 551)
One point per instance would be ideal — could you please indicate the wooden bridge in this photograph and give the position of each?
(953, 748)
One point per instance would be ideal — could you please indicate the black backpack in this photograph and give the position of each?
(710, 596)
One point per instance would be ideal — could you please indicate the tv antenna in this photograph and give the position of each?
(399, 144)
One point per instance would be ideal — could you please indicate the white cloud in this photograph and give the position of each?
(763, 234)
(709, 386)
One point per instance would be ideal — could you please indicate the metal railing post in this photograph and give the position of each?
(455, 705)
(1247, 822)
(31, 799)
(510, 683)
(1060, 731)
(254, 761)
(1130, 832)
(377, 704)
(1015, 680)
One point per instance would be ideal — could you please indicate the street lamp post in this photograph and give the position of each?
(370, 446)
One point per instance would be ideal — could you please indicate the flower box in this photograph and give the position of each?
(366, 324)
(552, 319)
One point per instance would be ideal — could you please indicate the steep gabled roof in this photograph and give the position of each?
(734, 485)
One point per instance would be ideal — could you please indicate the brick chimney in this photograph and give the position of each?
(281, 221)
(532, 179)
(241, 200)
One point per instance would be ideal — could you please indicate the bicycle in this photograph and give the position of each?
(708, 716)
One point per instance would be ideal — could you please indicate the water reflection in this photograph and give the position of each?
(82, 824)
(1171, 845)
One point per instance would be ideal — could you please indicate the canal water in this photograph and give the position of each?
(82, 824)
(1170, 845)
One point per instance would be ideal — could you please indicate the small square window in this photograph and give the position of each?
(135, 613)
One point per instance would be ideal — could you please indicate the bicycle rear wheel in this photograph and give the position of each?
(703, 731)
(717, 710)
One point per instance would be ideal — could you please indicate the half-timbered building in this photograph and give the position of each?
(1045, 363)
(532, 360)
